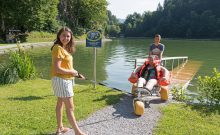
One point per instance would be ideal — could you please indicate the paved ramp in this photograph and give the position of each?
(184, 73)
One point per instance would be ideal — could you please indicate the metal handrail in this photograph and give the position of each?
(140, 61)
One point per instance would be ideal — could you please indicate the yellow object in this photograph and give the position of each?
(59, 52)
(164, 93)
(138, 107)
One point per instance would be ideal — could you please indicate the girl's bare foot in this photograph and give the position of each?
(80, 133)
(62, 130)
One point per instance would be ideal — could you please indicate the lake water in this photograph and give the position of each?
(115, 59)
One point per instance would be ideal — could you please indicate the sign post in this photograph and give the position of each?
(94, 39)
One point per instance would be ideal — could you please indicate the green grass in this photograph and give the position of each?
(36, 36)
(182, 119)
(28, 107)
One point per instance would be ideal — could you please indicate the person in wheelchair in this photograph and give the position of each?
(150, 74)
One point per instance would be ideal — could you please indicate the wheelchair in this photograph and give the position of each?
(142, 96)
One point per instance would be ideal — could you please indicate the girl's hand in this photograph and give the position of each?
(74, 72)
(80, 76)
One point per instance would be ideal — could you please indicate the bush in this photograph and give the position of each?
(179, 94)
(8, 74)
(209, 88)
(20, 66)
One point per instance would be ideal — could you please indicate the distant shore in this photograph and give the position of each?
(5, 48)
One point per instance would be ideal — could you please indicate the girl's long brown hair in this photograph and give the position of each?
(70, 46)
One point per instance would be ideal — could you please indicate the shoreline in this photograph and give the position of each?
(4, 49)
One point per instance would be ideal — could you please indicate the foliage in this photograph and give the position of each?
(209, 88)
(113, 26)
(133, 25)
(182, 119)
(23, 64)
(28, 107)
(28, 15)
(20, 66)
(177, 18)
(41, 15)
(8, 74)
(112, 31)
(179, 94)
(81, 15)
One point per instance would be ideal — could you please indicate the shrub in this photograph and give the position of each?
(209, 88)
(8, 74)
(20, 66)
(179, 94)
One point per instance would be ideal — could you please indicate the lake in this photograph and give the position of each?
(115, 59)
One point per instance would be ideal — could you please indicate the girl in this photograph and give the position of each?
(62, 74)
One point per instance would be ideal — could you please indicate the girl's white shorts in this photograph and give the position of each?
(62, 87)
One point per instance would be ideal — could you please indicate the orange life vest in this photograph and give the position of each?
(159, 73)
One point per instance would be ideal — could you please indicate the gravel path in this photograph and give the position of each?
(119, 119)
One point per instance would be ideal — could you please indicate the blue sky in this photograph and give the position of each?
(121, 8)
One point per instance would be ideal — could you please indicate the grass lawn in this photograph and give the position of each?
(182, 119)
(29, 107)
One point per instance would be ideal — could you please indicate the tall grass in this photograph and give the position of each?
(8, 74)
(20, 66)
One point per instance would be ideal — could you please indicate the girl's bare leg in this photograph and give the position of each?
(70, 115)
(59, 110)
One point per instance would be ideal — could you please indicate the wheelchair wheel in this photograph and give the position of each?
(164, 93)
(138, 107)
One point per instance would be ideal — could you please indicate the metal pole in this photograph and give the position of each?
(172, 64)
(94, 67)
(178, 63)
(165, 63)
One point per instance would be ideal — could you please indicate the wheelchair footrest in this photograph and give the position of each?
(143, 91)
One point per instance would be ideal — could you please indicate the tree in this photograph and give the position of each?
(28, 15)
(83, 14)
(113, 26)
(133, 24)
(178, 18)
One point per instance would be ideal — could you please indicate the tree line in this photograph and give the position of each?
(49, 15)
(177, 19)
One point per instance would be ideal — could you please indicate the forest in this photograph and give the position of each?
(48, 15)
(173, 19)
(177, 19)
